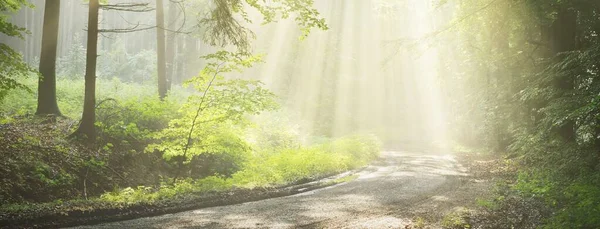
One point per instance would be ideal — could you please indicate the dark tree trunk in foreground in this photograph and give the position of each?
(160, 49)
(564, 39)
(47, 83)
(87, 128)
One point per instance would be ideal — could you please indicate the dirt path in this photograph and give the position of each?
(390, 193)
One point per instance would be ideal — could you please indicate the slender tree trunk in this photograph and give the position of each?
(26, 42)
(160, 50)
(87, 128)
(36, 32)
(170, 46)
(179, 60)
(23, 44)
(47, 83)
(503, 76)
(189, 58)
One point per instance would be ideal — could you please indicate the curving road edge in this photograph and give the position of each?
(386, 194)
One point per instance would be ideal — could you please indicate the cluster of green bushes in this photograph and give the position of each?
(266, 169)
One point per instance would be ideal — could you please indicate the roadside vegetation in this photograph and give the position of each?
(530, 96)
(46, 171)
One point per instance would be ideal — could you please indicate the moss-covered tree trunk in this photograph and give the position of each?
(47, 104)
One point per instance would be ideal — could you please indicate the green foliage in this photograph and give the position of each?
(456, 220)
(70, 96)
(117, 62)
(35, 166)
(143, 194)
(72, 65)
(581, 205)
(517, 90)
(266, 169)
(285, 165)
(223, 27)
(134, 119)
(41, 164)
(306, 16)
(12, 66)
(274, 131)
(213, 120)
(419, 223)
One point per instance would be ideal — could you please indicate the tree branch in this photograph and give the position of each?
(129, 7)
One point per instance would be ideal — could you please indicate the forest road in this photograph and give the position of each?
(390, 193)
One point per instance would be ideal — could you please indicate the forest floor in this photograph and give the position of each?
(400, 190)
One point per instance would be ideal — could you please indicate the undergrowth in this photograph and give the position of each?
(45, 171)
(278, 168)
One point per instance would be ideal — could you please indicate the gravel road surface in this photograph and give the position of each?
(387, 194)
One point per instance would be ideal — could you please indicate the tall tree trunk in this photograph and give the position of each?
(36, 39)
(87, 128)
(179, 60)
(190, 57)
(28, 46)
(47, 83)
(160, 49)
(503, 76)
(170, 46)
(564, 39)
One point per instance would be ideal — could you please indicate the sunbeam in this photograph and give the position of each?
(338, 81)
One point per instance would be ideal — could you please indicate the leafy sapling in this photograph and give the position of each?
(213, 118)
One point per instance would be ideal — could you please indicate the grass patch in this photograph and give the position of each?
(458, 219)
(278, 168)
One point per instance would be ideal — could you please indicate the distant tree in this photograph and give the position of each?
(12, 65)
(47, 83)
(160, 50)
(170, 46)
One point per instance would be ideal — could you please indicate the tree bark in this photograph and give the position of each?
(179, 60)
(47, 104)
(87, 128)
(170, 46)
(564, 39)
(160, 50)
(190, 56)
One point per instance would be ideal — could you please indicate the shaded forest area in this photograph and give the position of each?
(525, 85)
(121, 107)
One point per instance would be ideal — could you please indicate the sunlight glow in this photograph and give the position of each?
(349, 80)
